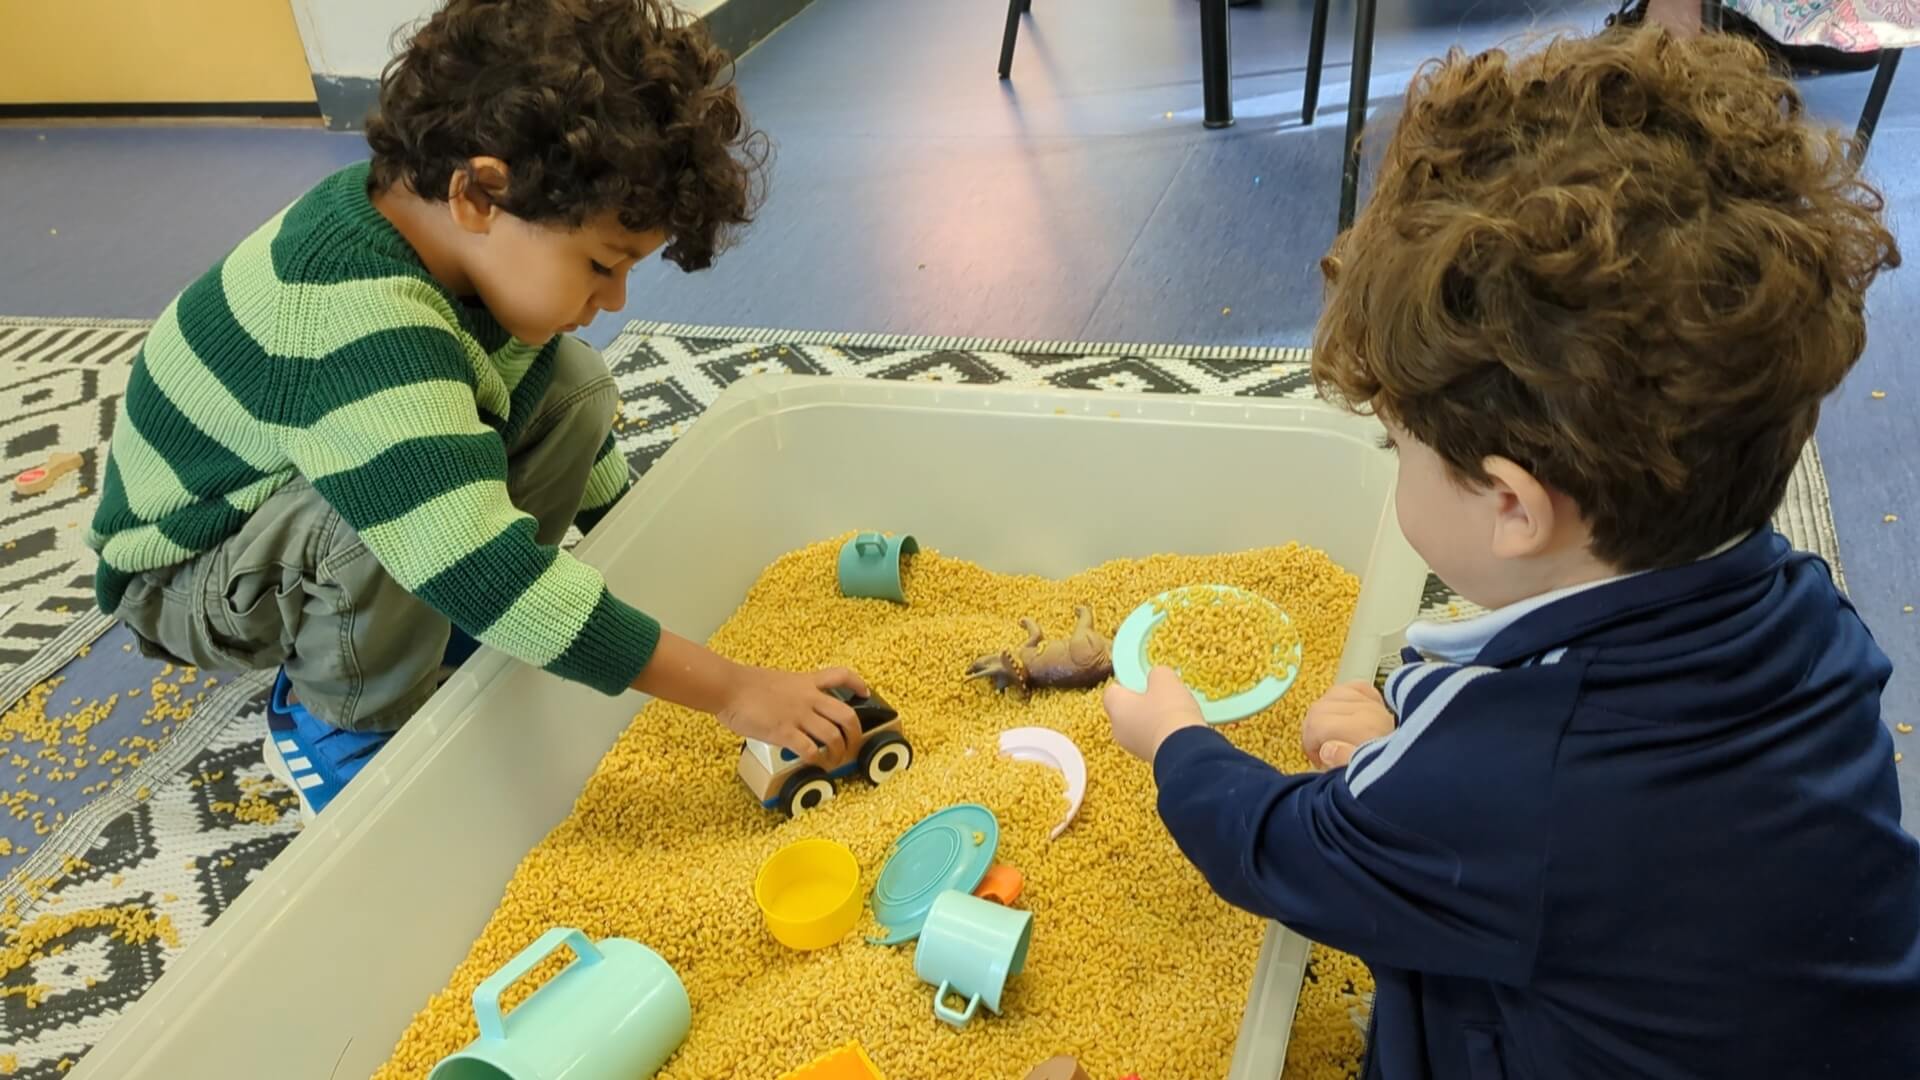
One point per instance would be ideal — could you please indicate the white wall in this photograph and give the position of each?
(354, 38)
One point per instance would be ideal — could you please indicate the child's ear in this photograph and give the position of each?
(474, 192)
(1524, 512)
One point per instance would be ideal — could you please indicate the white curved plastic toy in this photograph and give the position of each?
(1054, 750)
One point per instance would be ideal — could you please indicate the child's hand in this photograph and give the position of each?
(795, 711)
(1141, 722)
(1343, 718)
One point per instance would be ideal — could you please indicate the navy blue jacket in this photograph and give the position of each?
(1647, 828)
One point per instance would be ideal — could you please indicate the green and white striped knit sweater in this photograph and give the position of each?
(321, 346)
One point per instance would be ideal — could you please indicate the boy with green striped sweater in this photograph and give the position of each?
(363, 436)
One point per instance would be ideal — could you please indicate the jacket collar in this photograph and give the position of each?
(1559, 618)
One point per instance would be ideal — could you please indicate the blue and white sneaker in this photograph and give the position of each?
(309, 755)
(316, 759)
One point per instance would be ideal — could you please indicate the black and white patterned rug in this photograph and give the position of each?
(164, 852)
(60, 385)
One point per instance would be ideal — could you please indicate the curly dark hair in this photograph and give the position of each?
(595, 105)
(1628, 263)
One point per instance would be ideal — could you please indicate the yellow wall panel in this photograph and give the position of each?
(150, 51)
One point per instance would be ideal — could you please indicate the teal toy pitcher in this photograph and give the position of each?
(617, 1012)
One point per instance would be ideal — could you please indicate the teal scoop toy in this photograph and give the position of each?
(870, 566)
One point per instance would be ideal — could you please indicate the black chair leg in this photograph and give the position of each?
(1876, 100)
(1357, 94)
(1015, 8)
(1216, 64)
(1316, 53)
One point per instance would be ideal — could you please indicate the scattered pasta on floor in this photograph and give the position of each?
(45, 746)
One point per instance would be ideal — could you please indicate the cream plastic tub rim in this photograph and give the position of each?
(250, 997)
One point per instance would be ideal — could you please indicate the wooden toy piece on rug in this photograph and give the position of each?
(41, 477)
(1059, 1068)
(849, 1062)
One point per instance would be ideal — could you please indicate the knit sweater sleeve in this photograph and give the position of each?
(388, 431)
(606, 483)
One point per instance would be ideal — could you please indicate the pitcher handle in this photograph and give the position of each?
(486, 996)
(956, 1018)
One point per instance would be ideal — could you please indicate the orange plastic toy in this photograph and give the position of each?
(36, 480)
(850, 1062)
(1002, 885)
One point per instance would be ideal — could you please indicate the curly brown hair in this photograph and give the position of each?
(1627, 263)
(596, 106)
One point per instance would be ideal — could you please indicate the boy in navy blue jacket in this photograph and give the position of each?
(1641, 819)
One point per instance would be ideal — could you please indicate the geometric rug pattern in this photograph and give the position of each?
(60, 386)
(149, 881)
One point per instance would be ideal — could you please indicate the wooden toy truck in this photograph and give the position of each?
(781, 781)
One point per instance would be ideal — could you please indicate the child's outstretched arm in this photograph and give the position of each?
(1426, 852)
(777, 707)
(388, 429)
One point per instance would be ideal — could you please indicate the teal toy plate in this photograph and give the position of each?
(948, 849)
(1130, 664)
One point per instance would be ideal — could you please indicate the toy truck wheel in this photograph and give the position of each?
(807, 789)
(885, 756)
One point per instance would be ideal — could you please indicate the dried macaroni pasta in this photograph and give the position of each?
(1222, 643)
(1135, 965)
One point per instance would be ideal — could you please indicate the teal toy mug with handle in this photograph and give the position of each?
(968, 949)
(870, 566)
(617, 1012)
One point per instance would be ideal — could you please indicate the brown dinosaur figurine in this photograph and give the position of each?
(1081, 661)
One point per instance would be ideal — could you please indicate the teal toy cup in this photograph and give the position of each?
(870, 566)
(968, 949)
(617, 1012)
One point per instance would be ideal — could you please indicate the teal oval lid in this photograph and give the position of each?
(941, 852)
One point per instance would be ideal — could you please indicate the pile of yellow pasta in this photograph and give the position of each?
(1222, 643)
(1135, 965)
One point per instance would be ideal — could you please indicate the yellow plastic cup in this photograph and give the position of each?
(809, 893)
